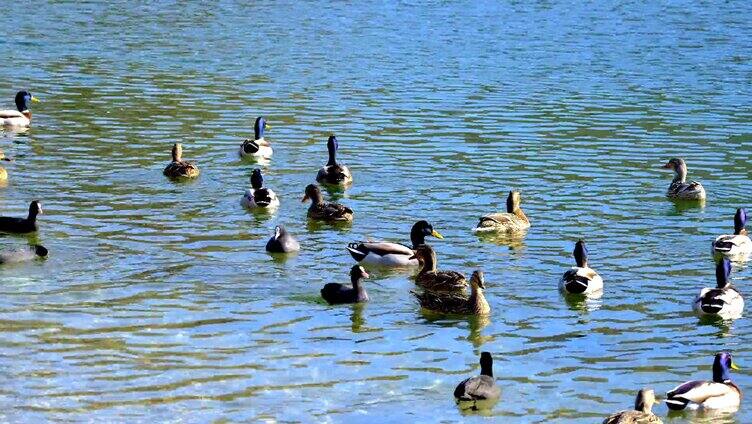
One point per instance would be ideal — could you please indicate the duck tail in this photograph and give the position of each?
(676, 403)
(711, 306)
(576, 284)
(355, 252)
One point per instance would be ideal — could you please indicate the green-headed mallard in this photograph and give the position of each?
(258, 196)
(481, 387)
(721, 393)
(431, 279)
(724, 300)
(511, 221)
(392, 254)
(333, 172)
(737, 245)
(22, 116)
(457, 303)
(680, 188)
(335, 293)
(325, 211)
(179, 168)
(641, 414)
(581, 279)
(282, 242)
(257, 147)
(22, 225)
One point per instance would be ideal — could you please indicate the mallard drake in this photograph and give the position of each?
(737, 245)
(721, 393)
(258, 196)
(581, 279)
(333, 172)
(282, 242)
(179, 168)
(431, 279)
(325, 211)
(724, 300)
(257, 147)
(481, 387)
(680, 188)
(392, 254)
(22, 225)
(22, 116)
(335, 293)
(641, 414)
(457, 303)
(511, 221)
(23, 254)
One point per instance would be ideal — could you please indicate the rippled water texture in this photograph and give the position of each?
(158, 302)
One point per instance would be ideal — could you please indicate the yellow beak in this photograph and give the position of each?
(734, 366)
(436, 234)
(34, 99)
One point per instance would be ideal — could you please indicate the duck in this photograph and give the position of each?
(336, 293)
(179, 168)
(681, 189)
(257, 147)
(22, 225)
(642, 412)
(724, 300)
(259, 197)
(393, 254)
(24, 254)
(720, 393)
(457, 303)
(581, 279)
(334, 173)
(737, 245)
(325, 211)
(481, 387)
(282, 242)
(22, 116)
(431, 279)
(513, 220)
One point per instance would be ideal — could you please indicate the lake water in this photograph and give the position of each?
(158, 302)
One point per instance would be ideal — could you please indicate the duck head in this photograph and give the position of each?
(722, 364)
(740, 220)
(40, 250)
(420, 230)
(23, 100)
(259, 127)
(257, 181)
(357, 273)
(513, 201)
(679, 167)
(177, 152)
(426, 257)
(645, 400)
(478, 279)
(35, 208)
(313, 193)
(722, 272)
(486, 364)
(332, 146)
(580, 254)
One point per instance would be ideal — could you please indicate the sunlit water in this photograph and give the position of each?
(158, 302)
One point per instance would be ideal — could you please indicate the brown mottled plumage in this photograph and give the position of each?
(180, 168)
(641, 414)
(513, 220)
(458, 303)
(431, 279)
(325, 211)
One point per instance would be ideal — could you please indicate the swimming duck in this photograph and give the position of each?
(257, 147)
(282, 242)
(480, 387)
(22, 116)
(680, 188)
(721, 393)
(335, 293)
(258, 196)
(334, 173)
(511, 221)
(180, 168)
(737, 245)
(325, 211)
(5, 158)
(457, 303)
(392, 254)
(641, 414)
(22, 225)
(24, 254)
(431, 279)
(724, 300)
(581, 279)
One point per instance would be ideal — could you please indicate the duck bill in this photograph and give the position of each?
(437, 235)
(365, 274)
(305, 198)
(735, 367)
(34, 99)
(666, 166)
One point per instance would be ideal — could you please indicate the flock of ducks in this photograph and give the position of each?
(445, 291)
